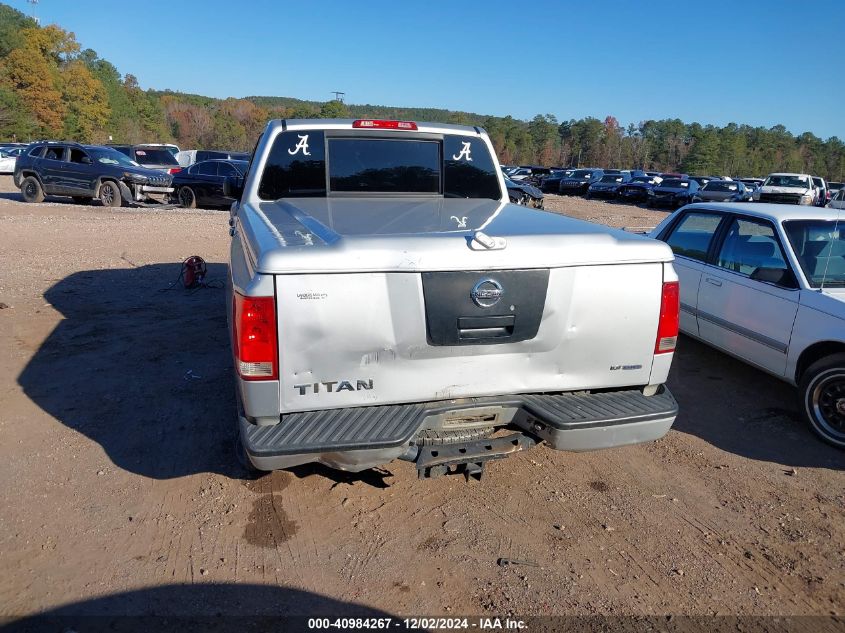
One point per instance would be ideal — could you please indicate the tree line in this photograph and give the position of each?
(52, 88)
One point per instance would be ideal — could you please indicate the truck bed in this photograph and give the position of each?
(329, 235)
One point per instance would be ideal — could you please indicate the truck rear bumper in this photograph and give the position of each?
(363, 437)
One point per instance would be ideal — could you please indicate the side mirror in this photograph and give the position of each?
(233, 187)
(86, 160)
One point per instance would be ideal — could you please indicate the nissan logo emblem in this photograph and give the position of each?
(486, 293)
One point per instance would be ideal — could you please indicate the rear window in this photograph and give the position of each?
(611, 178)
(457, 167)
(154, 156)
(691, 237)
(714, 185)
(676, 183)
(384, 165)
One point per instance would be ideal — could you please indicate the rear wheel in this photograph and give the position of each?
(110, 194)
(187, 198)
(31, 190)
(822, 398)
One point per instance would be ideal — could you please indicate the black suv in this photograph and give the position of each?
(84, 172)
(579, 181)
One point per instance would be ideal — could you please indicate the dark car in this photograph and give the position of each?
(551, 183)
(579, 181)
(151, 157)
(201, 184)
(834, 187)
(723, 191)
(524, 193)
(84, 172)
(607, 186)
(636, 190)
(672, 192)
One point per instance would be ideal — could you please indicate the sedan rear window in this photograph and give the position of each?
(714, 185)
(693, 234)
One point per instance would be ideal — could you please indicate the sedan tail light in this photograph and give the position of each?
(255, 342)
(667, 327)
(174, 170)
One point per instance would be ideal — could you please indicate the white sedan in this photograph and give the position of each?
(766, 284)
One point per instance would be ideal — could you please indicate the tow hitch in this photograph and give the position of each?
(468, 458)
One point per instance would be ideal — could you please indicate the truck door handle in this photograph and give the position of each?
(715, 282)
(486, 327)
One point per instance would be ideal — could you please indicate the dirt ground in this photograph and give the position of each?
(120, 493)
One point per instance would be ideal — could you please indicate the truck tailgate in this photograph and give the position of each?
(361, 339)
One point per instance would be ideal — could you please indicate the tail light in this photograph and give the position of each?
(256, 347)
(384, 125)
(667, 328)
(174, 170)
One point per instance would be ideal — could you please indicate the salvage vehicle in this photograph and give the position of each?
(580, 180)
(386, 300)
(787, 188)
(85, 172)
(606, 186)
(766, 283)
(723, 191)
(551, 183)
(201, 184)
(672, 192)
(637, 189)
(151, 156)
(838, 200)
(524, 193)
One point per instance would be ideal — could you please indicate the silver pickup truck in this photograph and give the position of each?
(387, 301)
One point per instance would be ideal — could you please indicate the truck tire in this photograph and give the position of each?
(31, 190)
(110, 194)
(822, 398)
(438, 437)
(187, 198)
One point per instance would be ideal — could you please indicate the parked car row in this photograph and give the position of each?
(120, 174)
(673, 189)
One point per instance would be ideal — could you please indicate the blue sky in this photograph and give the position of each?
(748, 61)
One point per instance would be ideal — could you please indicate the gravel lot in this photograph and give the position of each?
(117, 419)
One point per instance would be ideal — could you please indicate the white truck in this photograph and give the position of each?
(387, 301)
(786, 188)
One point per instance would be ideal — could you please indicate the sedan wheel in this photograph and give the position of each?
(187, 198)
(822, 390)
